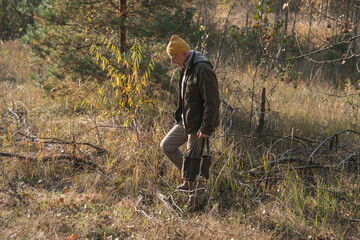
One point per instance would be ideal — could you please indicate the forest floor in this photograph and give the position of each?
(68, 174)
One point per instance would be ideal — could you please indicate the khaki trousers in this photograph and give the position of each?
(175, 139)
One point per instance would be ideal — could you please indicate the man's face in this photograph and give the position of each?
(178, 59)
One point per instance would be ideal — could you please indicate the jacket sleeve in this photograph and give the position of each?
(209, 90)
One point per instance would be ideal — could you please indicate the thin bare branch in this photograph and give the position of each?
(328, 139)
(348, 158)
(319, 51)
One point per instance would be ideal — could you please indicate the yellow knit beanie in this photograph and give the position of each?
(177, 45)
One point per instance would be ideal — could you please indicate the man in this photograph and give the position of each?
(197, 114)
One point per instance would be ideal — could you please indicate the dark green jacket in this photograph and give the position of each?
(200, 105)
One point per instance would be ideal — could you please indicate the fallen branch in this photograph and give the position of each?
(58, 141)
(100, 150)
(292, 138)
(351, 220)
(294, 152)
(77, 160)
(140, 198)
(328, 139)
(277, 170)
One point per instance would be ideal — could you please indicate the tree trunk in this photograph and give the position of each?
(286, 20)
(347, 11)
(277, 13)
(327, 9)
(293, 29)
(247, 16)
(327, 12)
(5, 26)
(205, 12)
(334, 28)
(262, 112)
(352, 11)
(122, 26)
(356, 22)
(311, 11)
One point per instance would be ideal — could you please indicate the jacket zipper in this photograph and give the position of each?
(183, 86)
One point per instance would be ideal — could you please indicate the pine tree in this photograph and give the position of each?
(64, 30)
(13, 17)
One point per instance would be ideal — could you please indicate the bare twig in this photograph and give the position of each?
(166, 201)
(230, 112)
(136, 127)
(348, 158)
(21, 121)
(114, 5)
(141, 197)
(328, 139)
(173, 202)
(13, 191)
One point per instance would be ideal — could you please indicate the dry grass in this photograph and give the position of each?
(313, 105)
(59, 199)
(15, 62)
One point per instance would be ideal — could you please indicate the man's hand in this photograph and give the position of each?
(201, 135)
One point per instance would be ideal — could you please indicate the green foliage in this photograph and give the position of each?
(60, 37)
(159, 19)
(13, 18)
(245, 43)
(64, 30)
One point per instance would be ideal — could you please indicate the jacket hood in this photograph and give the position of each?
(200, 58)
(197, 58)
